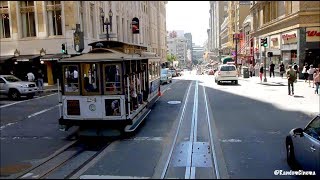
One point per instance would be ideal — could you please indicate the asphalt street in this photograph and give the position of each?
(248, 124)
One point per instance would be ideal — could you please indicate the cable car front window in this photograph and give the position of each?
(90, 78)
(113, 76)
(71, 79)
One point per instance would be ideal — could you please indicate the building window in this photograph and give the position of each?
(118, 27)
(289, 7)
(281, 8)
(101, 22)
(274, 10)
(28, 19)
(4, 20)
(93, 32)
(82, 19)
(54, 18)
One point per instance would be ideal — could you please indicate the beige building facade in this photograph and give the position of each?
(237, 12)
(32, 29)
(291, 28)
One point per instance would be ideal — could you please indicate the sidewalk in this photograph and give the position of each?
(275, 90)
(50, 88)
(299, 86)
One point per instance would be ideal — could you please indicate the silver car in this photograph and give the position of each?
(15, 88)
(166, 76)
(303, 146)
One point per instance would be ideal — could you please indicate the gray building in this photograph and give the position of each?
(198, 53)
(218, 12)
(188, 37)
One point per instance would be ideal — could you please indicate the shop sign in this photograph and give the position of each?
(313, 34)
(289, 37)
(274, 41)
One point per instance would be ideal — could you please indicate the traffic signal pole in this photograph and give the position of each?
(264, 64)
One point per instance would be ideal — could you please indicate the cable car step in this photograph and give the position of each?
(137, 121)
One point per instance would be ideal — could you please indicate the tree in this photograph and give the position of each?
(171, 58)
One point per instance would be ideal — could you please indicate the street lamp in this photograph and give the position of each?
(106, 22)
(110, 18)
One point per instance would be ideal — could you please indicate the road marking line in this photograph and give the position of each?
(191, 171)
(43, 111)
(9, 124)
(176, 135)
(216, 168)
(144, 139)
(110, 177)
(3, 106)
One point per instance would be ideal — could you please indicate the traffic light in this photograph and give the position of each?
(264, 42)
(63, 48)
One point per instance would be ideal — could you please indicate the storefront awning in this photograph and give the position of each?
(26, 58)
(52, 57)
(4, 58)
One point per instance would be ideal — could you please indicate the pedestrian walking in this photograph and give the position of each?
(305, 72)
(30, 77)
(251, 70)
(310, 75)
(316, 79)
(282, 69)
(272, 65)
(261, 72)
(296, 68)
(292, 77)
(40, 77)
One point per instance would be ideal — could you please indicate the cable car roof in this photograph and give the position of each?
(103, 55)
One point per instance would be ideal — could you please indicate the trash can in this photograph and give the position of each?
(245, 72)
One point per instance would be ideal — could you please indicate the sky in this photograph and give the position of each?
(190, 16)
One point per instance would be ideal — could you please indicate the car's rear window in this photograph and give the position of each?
(227, 68)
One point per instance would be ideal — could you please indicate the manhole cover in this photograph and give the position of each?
(174, 102)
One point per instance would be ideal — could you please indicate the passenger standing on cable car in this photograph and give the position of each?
(133, 94)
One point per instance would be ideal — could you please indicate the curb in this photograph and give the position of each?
(50, 90)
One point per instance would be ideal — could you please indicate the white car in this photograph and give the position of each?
(226, 72)
(15, 88)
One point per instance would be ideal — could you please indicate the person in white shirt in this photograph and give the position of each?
(310, 73)
(30, 76)
(75, 74)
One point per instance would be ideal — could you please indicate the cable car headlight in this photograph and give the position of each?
(92, 107)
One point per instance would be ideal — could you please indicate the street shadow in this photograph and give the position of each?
(260, 128)
(227, 83)
(297, 96)
(274, 84)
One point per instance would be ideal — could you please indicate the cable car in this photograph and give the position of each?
(109, 90)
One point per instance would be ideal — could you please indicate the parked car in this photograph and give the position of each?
(15, 88)
(179, 72)
(173, 72)
(303, 146)
(226, 72)
(166, 76)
